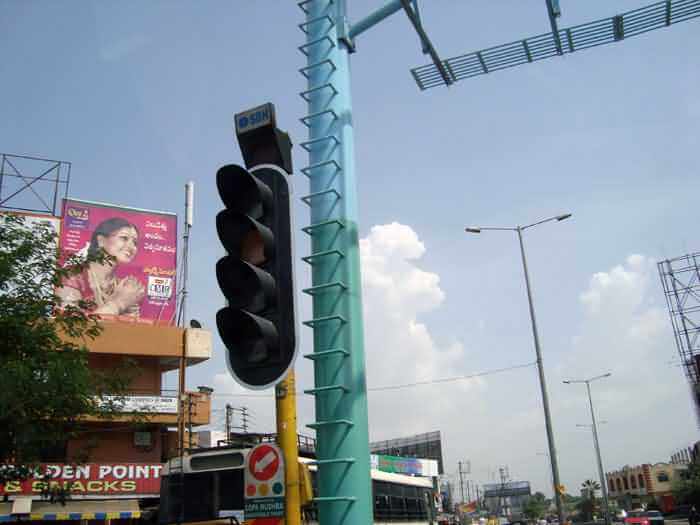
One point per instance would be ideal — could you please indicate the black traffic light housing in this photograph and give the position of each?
(256, 276)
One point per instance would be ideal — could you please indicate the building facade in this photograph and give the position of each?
(111, 470)
(645, 484)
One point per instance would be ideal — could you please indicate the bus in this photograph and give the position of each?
(207, 487)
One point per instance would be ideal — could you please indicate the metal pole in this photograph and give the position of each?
(461, 484)
(543, 386)
(340, 386)
(601, 473)
(286, 405)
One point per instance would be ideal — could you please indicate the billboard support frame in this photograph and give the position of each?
(60, 170)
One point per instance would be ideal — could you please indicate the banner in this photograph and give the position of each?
(155, 404)
(92, 479)
(400, 465)
(138, 283)
(507, 489)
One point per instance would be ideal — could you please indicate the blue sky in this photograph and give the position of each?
(140, 97)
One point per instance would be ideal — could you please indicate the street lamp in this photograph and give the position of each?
(601, 472)
(545, 400)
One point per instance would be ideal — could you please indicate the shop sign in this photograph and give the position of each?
(264, 484)
(156, 404)
(90, 480)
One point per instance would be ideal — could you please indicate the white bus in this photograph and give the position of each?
(209, 487)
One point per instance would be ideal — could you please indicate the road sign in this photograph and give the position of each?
(264, 482)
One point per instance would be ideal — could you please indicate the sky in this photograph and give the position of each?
(139, 97)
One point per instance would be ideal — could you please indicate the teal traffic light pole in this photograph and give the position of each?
(345, 489)
(344, 484)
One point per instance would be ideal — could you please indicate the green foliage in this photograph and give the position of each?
(535, 507)
(47, 385)
(687, 488)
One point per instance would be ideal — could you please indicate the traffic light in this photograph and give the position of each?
(256, 276)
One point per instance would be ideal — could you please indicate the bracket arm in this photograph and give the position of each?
(427, 45)
(374, 18)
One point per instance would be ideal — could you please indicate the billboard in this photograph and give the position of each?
(401, 465)
(426, 446)
(137, 284)
(507, 489)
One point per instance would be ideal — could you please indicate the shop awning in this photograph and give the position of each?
(74, 510)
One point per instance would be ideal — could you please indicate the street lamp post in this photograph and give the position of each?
(540, 368)
(601, 472)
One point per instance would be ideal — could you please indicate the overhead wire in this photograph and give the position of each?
(410, 385)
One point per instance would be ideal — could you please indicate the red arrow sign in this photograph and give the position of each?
(263, 462)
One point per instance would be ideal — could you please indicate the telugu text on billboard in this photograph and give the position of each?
(136, 283)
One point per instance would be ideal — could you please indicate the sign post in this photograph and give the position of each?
(264, 485)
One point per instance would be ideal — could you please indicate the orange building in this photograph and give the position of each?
(118, 478)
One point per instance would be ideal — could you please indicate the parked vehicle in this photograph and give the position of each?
(639, 517)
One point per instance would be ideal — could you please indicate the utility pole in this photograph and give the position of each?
(538, 353)
(601, 471)
(244, 419)
(286, 399)
(229, 413)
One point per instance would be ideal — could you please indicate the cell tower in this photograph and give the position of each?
(680, 278)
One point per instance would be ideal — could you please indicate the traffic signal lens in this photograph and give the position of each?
(250, 338)
(253, 248)
(242, 192)
(245, 238)
(244, 285)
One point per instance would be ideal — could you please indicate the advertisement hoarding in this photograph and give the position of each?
(425, 446)
(400, 465)
(139, 404)
(138, 283)
(92, 480)
(507, 489)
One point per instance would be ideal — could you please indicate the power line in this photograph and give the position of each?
(451, 379)
(414, 384)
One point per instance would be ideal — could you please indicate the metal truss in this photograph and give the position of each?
(576, 38)
(680, 278)
(33, 184)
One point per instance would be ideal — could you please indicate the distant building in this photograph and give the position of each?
(643, 484)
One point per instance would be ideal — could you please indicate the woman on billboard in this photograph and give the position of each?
(98, 283)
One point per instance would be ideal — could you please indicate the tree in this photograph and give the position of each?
(536, 506)
(587, 506)
(687, 488)
(47, 385)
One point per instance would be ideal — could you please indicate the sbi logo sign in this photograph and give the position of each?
(254, 118)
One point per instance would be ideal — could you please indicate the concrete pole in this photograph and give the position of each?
(601, 472)
(543, 386)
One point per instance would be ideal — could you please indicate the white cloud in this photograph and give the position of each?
(625, 330)
(400, 348)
